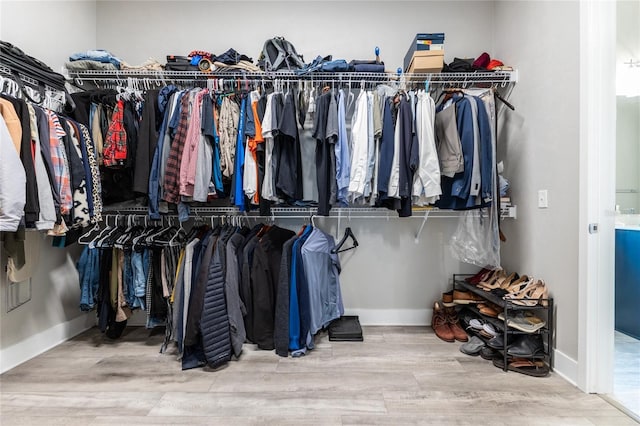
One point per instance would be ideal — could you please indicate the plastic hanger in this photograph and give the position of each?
(348, 233)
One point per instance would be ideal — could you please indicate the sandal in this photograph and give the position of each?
(489, 278)
(496, 281)
(536, 294)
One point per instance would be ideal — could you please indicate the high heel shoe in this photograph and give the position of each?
(520, 291)
(518, 285)
(482, 275)
(495, 281)
(538, 294)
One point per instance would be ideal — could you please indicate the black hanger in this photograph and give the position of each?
(348, 233)
(504, 101)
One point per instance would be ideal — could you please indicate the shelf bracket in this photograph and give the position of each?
(424, 222)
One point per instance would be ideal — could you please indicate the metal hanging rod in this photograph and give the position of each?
(306, 212)
(496, 77)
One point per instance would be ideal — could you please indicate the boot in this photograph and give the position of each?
(454, 324)
(440, 324)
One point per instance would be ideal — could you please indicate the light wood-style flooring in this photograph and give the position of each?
(397, 376)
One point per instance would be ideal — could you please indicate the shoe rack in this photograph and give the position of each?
(543, 308)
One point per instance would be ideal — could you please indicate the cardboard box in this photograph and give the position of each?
(426, 61)
(424, 41)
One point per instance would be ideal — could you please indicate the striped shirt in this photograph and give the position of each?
(172, 170)
(60, 163)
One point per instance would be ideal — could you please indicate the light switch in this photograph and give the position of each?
(543, 199)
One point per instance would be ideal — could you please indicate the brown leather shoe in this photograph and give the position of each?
(447, 299)
(464, 297)
(440, 324)
(489, 309)
(454, 324)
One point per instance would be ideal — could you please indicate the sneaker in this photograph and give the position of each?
(487, 353)
(473, 346)
(440, 324)
(524, 321)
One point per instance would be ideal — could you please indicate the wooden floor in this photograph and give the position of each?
(399, 375)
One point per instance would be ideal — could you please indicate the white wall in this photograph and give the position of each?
(540, 144)
(345, 29)
(49, 31)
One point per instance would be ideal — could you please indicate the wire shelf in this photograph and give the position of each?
(496, 77)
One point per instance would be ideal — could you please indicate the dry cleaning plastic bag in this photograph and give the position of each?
(477, 239)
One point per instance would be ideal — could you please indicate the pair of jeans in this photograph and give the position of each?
(140, 271)
(97, 55)
(89, 270)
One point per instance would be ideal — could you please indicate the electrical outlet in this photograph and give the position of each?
(543, 199)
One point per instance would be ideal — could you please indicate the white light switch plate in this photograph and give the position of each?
(543, 199)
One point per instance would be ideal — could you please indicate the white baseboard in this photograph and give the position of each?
(43, 341)
(565, 367)
(392, 316)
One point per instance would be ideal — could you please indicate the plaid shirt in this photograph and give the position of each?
(60, 163)
(172, 170)
(115, 144)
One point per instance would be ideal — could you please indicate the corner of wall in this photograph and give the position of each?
(41, 342)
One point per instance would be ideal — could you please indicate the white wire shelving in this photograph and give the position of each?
(159, 78)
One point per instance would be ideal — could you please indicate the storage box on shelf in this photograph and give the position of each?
(425, 54)
(507, 319)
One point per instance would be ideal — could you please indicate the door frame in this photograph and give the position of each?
(597, 196)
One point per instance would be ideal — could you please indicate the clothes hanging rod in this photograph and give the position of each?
(347, 77)
(306, 212)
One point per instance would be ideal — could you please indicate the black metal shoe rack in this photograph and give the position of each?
(508, 308)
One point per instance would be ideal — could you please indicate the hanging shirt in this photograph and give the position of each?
(240, 148)
(115, 144)
(322, 269)
(250, 178)
(60, 164)
(210, 132)
(475, 170)
(394, 177)
(229, 118)
(155, 175)
(268, 187)
(371, 150)
(47, 216)
(359, 146)
(308, 154)
(12, 182)
(172, 172)
(426, 185)
(289, 168)
(448, 140)
(326, 133)
(343, 166)
(387, 149)
(203, 185)
(188, 162)
(81, 216)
